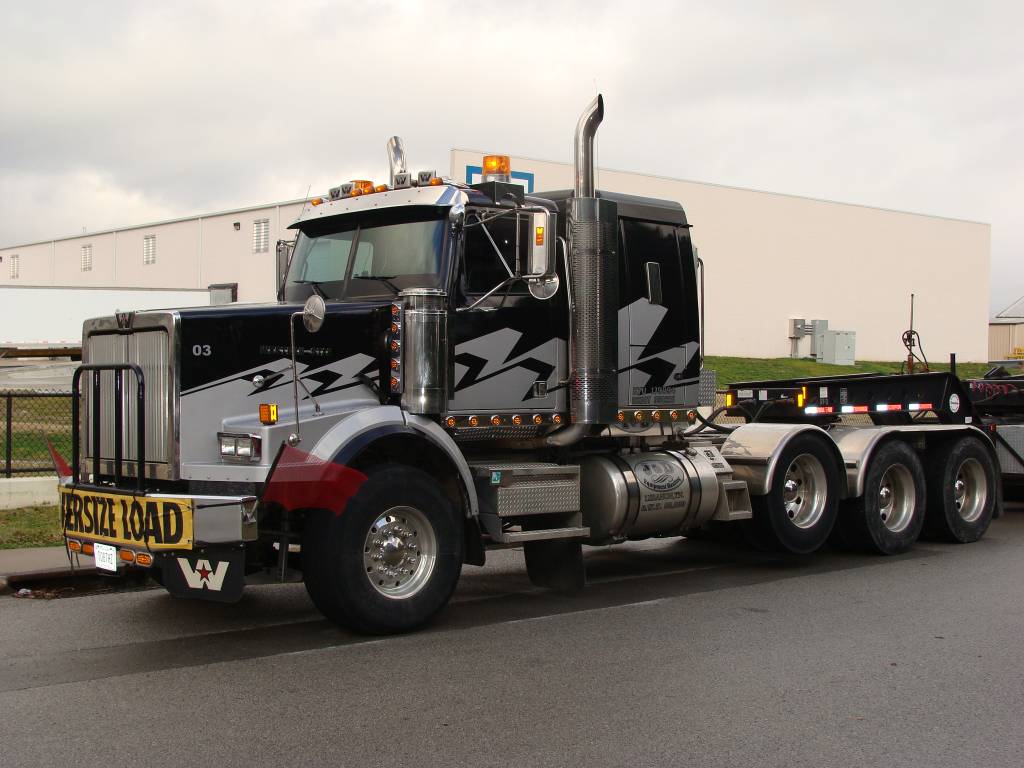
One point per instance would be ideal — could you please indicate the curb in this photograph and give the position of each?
(45, 574)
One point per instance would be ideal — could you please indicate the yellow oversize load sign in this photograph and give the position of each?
(134, 521)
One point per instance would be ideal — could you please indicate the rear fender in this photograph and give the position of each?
(753, 452)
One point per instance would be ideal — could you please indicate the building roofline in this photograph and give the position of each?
(178, 220)
(741, 189)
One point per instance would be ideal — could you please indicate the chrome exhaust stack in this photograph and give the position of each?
(594, 276)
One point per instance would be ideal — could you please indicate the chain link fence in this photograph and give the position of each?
(28, 420)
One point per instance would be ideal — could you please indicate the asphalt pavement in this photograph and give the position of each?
(677, 653)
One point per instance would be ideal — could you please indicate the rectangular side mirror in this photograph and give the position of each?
(541, 248)
(654, 282)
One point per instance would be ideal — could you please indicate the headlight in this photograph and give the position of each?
(236, 448)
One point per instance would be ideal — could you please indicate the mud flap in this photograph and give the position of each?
(555, 564)
(206, 574)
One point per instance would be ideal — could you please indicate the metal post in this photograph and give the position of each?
(9, 435)
(118, 424)
(97, 424)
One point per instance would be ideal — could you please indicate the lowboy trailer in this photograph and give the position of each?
(452, 368)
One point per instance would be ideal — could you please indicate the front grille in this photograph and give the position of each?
(150, 348)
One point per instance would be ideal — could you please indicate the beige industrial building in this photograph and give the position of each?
(769, 257)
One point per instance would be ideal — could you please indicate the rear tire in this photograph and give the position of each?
(888, 518)
(798, 513)
(961, 491)
(390, 561)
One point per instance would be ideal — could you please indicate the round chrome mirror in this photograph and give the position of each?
(544, 288)
(313, 313)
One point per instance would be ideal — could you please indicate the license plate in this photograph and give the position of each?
(105, 556)
(138, 522)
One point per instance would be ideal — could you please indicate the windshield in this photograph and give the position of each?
(369, 258)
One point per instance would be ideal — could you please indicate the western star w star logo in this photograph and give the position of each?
(203, 576)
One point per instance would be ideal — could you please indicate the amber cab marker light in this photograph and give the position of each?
(268, 413)
(517, 419)
(620, 416)
(473, 421)
(656, 415)
(395, 310)
(365, 186)
(437, 181)
(143, 559)
(381, 188)
(316, 201)
(496, 420)
(674, 415)
(394, 364)
(450, 421)
(539, 238)
(538, 419)
(557, 419)
(638, 415)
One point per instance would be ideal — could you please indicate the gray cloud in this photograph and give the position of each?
(115, 113)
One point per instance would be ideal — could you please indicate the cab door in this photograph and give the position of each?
(509, 348)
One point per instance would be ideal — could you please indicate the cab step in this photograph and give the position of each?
(529, 501)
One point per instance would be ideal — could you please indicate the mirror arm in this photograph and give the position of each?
(487, 295)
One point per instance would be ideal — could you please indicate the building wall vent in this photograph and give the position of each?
(149, 249)
(261, 236)
(87, 257)
(15, 267)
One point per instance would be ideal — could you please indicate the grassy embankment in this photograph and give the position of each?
(29, 527)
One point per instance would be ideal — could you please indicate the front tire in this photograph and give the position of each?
(799, 512)
(961, 491)
(888, 518)
(390, 561)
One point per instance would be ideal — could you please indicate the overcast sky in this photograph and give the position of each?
(122, 113)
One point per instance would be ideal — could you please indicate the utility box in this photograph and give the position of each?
(835, 347)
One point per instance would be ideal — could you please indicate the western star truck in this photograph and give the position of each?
(451, 368)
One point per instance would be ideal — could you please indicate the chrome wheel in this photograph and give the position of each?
(970, 490)
(804, 491)
(897, 497)
(400, 552)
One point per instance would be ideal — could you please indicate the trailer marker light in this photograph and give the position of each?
(888, 407)
(813, 410)
(268, 413)
(127, 555)
(800, 398)
(74, 546)
(919, 407)
(473, 421)
(144, 559)
(730, 399)
(539, 236)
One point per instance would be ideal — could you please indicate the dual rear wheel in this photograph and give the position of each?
(952, 500)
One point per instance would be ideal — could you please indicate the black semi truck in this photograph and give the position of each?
(451, 368)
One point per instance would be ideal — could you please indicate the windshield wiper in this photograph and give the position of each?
(315, 285)
(386, 279)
